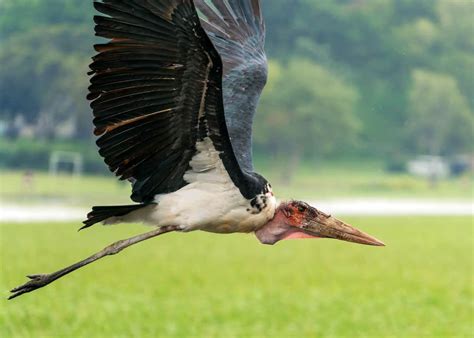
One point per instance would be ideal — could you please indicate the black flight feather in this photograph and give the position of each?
(150, 80)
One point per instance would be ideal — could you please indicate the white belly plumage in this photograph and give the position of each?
(210, 202)
(210, 207)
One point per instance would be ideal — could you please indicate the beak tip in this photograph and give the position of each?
(377, 242)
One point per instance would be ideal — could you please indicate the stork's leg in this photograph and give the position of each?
(38, 281)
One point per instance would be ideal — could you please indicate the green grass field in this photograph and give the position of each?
(204, 285)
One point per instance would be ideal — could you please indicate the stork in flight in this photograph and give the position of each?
(174, 92)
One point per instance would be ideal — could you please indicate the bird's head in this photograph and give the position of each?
(297, 219)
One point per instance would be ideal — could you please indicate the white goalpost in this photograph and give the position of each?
(58, 158)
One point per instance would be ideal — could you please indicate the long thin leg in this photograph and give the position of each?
(38, 281)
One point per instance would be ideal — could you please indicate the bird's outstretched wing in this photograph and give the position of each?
(156, 91)
(237, 30)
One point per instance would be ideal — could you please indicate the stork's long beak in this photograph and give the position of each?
(324, 225)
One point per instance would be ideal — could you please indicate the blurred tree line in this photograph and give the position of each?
(374, 78)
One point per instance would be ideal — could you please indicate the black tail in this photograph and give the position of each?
(99, 214)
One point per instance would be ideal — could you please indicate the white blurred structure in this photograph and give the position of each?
(433, 167)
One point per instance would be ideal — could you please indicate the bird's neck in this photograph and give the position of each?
(274, 230)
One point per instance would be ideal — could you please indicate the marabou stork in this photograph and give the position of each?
(174, 92)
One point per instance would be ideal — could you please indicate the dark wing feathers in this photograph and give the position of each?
(142, 107)
(156, 91)
(237, 30)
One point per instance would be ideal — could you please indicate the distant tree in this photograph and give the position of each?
(440, 121)
(306, 110)
(43, 76)
(455, 55)
(19, 16)
(456, 21)
(419, 38)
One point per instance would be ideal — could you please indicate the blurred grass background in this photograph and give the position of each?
(327, 181)
(182, 285)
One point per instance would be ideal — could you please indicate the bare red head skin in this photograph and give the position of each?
(297, 219)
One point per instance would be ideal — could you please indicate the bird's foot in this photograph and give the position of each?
(35, 282)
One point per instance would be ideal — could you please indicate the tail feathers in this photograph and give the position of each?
(99, 214)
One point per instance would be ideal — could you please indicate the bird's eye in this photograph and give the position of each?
(301, 208)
